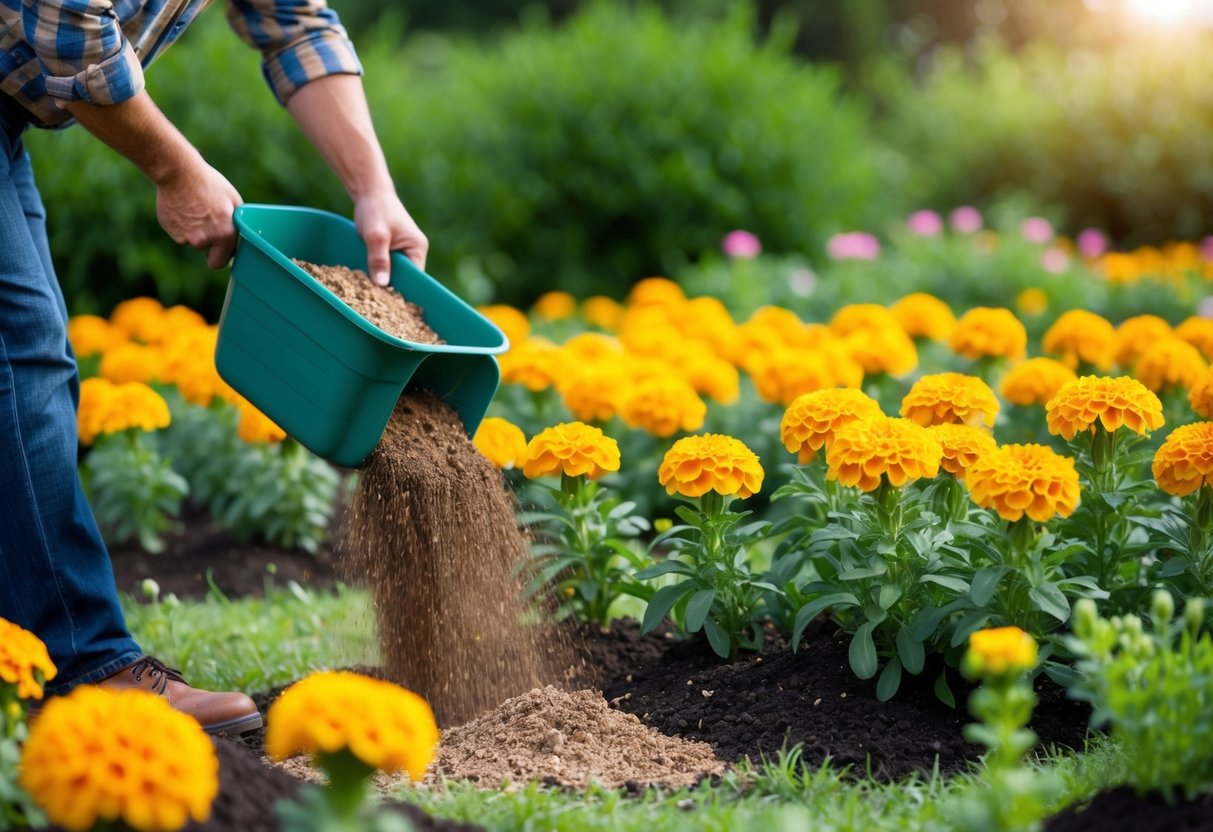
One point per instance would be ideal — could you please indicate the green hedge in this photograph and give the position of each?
(584, 156)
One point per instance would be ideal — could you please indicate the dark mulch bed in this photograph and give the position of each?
(1121, 810)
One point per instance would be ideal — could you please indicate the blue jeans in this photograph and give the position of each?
(55, 573)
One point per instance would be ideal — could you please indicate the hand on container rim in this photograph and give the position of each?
(195, 208)
(386, 226)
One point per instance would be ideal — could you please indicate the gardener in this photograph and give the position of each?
(83, 59)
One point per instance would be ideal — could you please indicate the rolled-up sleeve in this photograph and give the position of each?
(299, 40)
(82, 51)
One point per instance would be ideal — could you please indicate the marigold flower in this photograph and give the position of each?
(862, 317)
(986, 332)
(865, 450)
(1018, 479)
(1184, 462)
(22, 655)
(140, 318)
(96, 398)
(572, 448)
(591, 346)
(1200, 395)
(1001, 651)
(555, 306)
(1035, 381)
(178, 318)
(1111, 402)
(810, 422)
(655, 291)
(189, 364)
(1135, 334)
(962, 446)
(501, 442)
(943, 398)
(711, 376)
(255, 427)
(783, 374)
(385, 726)
(922, 315)
(602, 312)
(770, 327)
(1032, 301)
(510, 320)
(695, 465)
(1197, 331)
(91, 334)
(100, 755)
(1171, 362)
(663, 406)
(131, 361)
(535, 363)
(109, 408)
(886, 350)
(1079, 336)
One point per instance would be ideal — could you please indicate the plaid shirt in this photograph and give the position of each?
(55, 51)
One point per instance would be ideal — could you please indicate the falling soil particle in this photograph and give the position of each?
(381, 305)
(571, 740)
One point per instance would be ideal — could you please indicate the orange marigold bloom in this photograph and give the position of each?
(256, 427)
(943, 398)
(888, 350)
(501, 442)
(535, 363)
(23, 657)
(1198, 332)
(572, 448)
(1001, 651)
(1135, 334)
(91, 334)
(922, 315)
(1200, 395)
(711, 376)
(770, 327)
(1079, 336)
(695, 465)
(178, 318)
(810, 422)
(986, 332)
(189, 363)
(1171, 362)
(602, 312)
(592, 346)
(862, 317)
(783, 374)
(1184, 462)
(663, 406)
(866, 449)
(510, 320)
(962, 446)
(140, 318)
(1032, 301)
(592, 393)
(655, 291)
(109, 408)
(1035, 381)
(1111, 402)
(1024, 479)
(131, 362)
(555, 306)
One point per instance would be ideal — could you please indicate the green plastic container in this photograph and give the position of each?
(329, 377)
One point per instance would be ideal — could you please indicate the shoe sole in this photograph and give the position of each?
(241, 725)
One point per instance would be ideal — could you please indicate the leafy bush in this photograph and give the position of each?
(134, 491)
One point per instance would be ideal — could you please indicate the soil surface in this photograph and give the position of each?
(1121, 810)
(381, 305)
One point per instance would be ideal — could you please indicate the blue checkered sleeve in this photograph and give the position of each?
(299, 40)
(82, 51)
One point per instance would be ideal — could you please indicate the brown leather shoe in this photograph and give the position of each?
(218, 713)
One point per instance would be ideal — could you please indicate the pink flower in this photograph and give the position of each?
(966, 219)
(1091, 243)
(925, 223)
(1206, 248)
(854, 245)
(741, 244)
(1055, 260)
(1037, 230)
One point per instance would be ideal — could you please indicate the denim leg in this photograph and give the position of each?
(55, 573)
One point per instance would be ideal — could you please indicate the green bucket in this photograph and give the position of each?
(329, 377)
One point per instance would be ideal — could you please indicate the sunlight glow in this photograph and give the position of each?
(1166, 12)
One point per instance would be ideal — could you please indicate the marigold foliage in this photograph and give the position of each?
(1171, 362)
(950, 398)
(1197, 331)
(1081, 337)
(1184, 462)
(91, 334)
(663, 406)
(923, 315)
(131, 361)
(106, 407)
(1135, 334)
(21, 655)
(1111, 402)
(555, 306)
(1000, 651)
(99, 755)
(810, 422)
(962, 446)
(695, 465)
(572, 448)
(501, 442)
(1024, 479)
(989, 332)
(1035, 381)
(1200, 395)
(866, 450)
(535, 363)
(140, 318)
(383, 725)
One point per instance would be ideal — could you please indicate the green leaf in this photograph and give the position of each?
(814, 608)
(861, 572)
(985, 582)
(889, 593)
(663, 601)
(664, 568)
(889, 681)
(910, 651)
(862, 652)
(944, 693)
(949, 581)
(697, 609)
(1173, 567)
(1051, 600)
(622, 510)
(969, 623)
(717, 637)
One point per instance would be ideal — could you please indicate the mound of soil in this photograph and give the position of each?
(1122, 810)
(381, 305)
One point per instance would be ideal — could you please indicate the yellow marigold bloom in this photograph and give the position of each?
(950, 398)
(110, 408)
(1198, 332)
(1200, 395)
(1079, 336)
(1032, 301)
(770, 327)
(655, 291)
(922, 315)
(593, 391)
(1111, 402)
(711, 375)
(1001, 651)
(179, 318)
(1035, 381)
(22, 655)
(865, 450)
(1135, 334)
(96, 400)
(1119, 267)
(555, 306)
(886, 350)
(962, 446)
(1184, 462)
(987, 332)
(862, 317)
(572, 448)
(91, 334)
(501, 442)
(783, 374)
(602, 312)
(592, 346)
(385, 726)
(1018, 479)
(535, 363)
(663, 406)
(695, 465)
(1171, 362)
(513, 322)
(189, 364)
(140, 318)
(131, 362)
(810, 422)
(100, 755)
(256, 427)
(707, 320)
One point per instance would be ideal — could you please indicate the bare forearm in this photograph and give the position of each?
(139, 131)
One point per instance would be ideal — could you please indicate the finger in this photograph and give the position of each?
(220, 253)
(378, 260)
(417, 250)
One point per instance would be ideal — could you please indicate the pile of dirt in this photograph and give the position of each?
(381, 305)
(570, 740)
(1123, 810)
